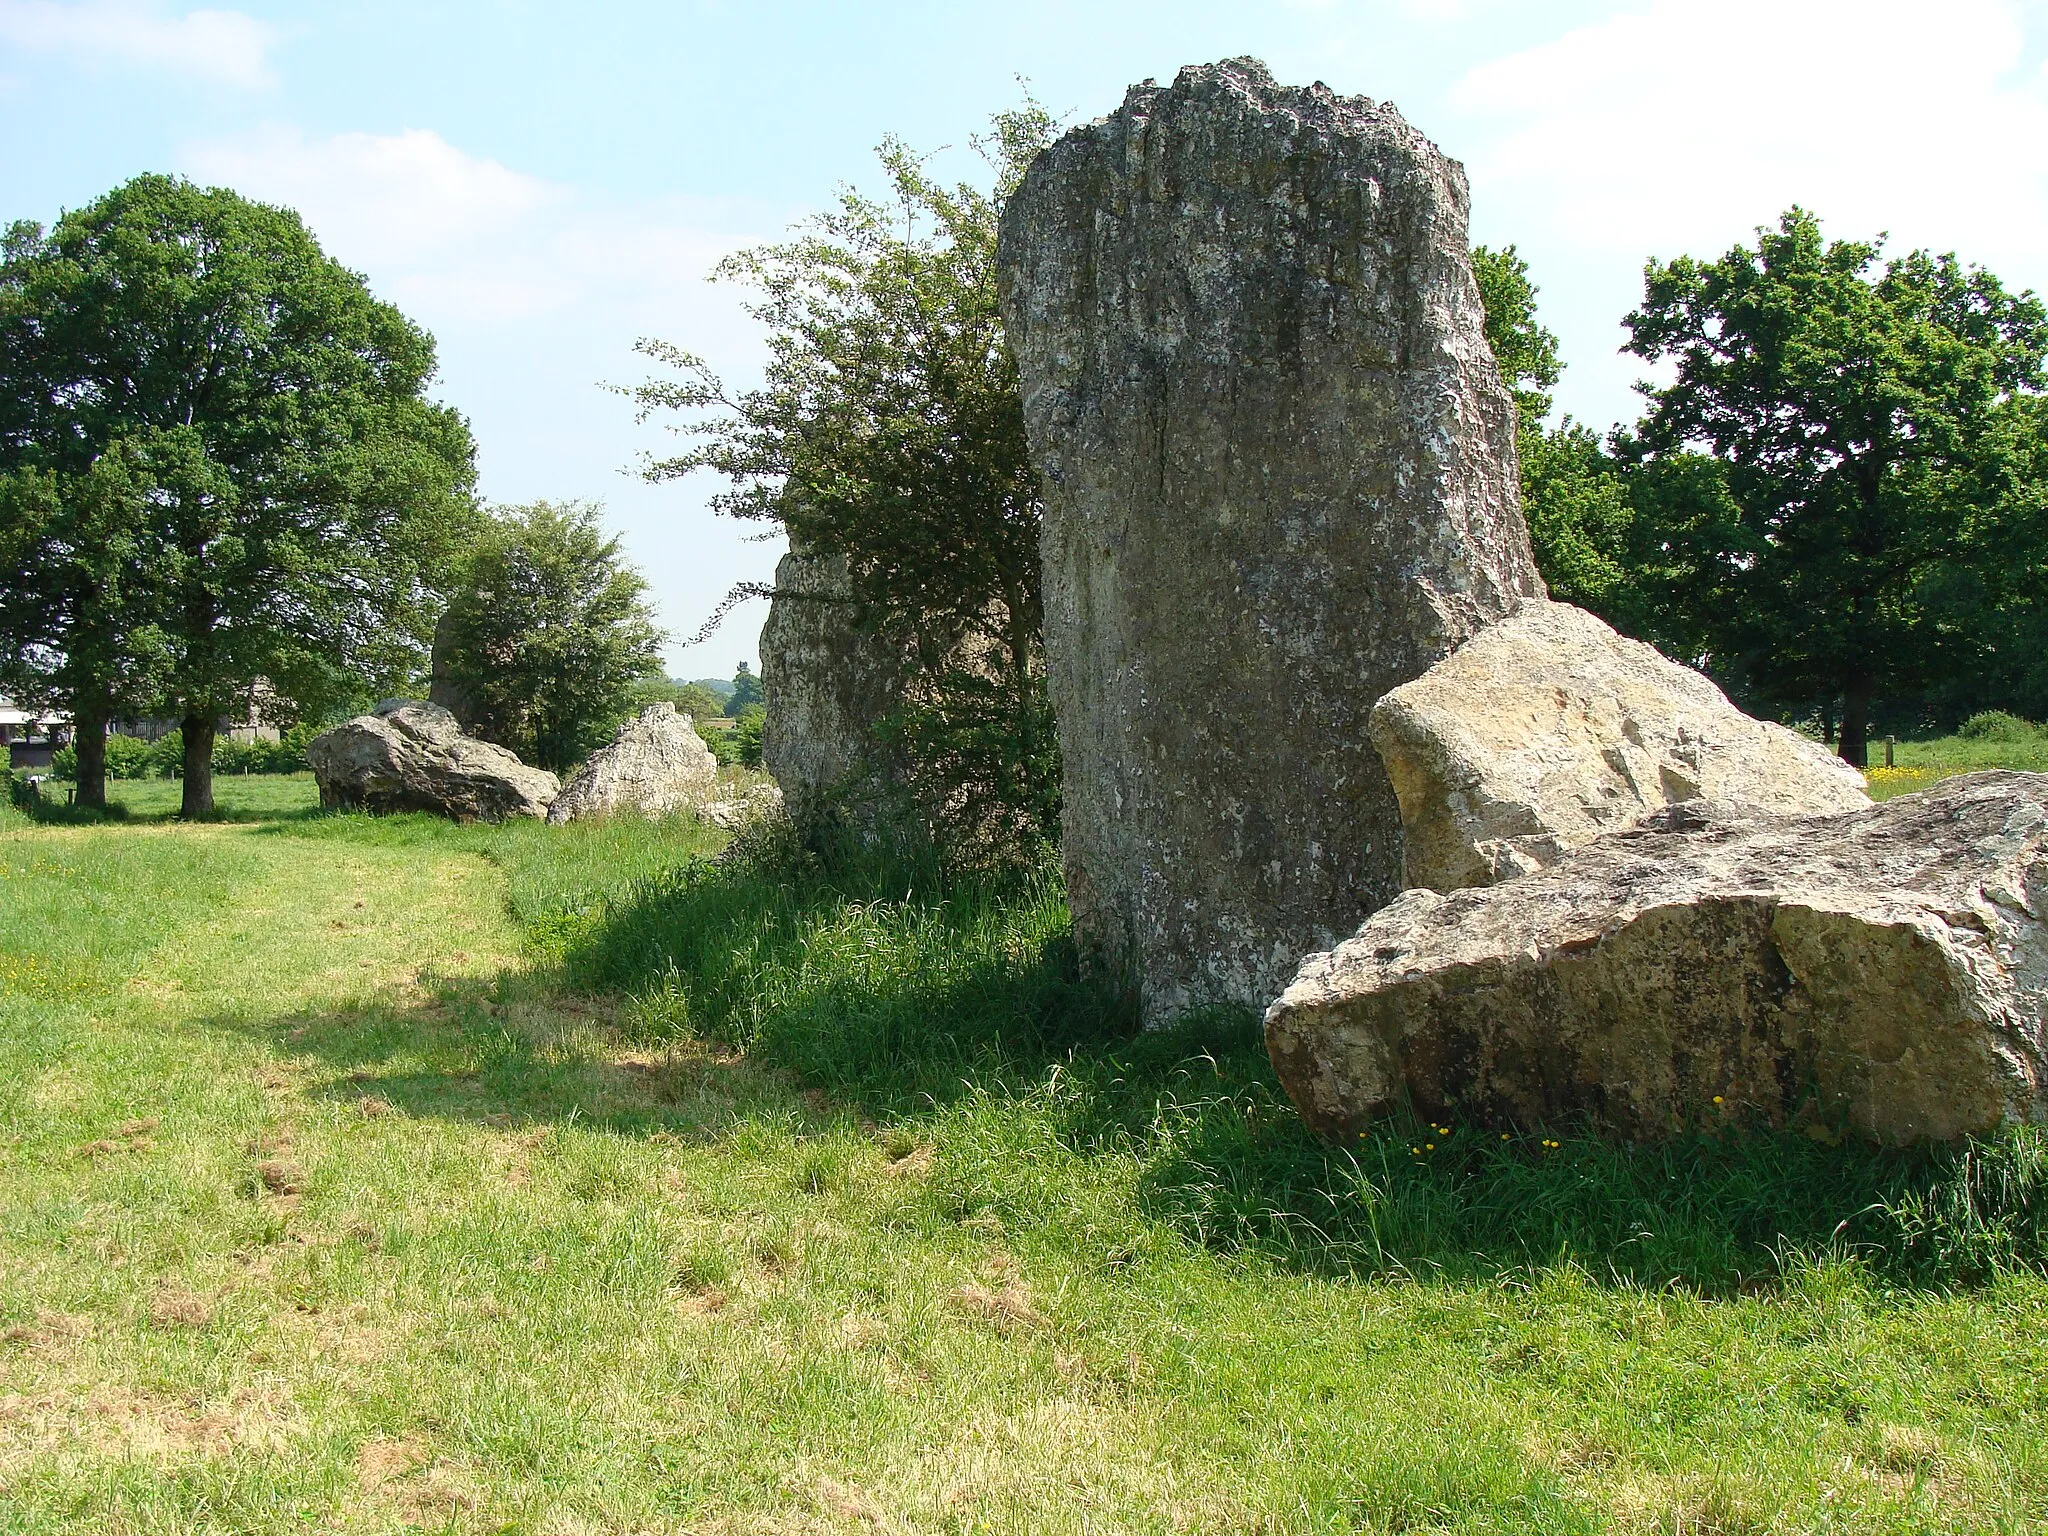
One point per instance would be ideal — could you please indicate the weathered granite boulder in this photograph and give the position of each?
(1548, 729)
(827, 680)
(411, 756)
(1881, 971)
(1280, 480)
(656, 764)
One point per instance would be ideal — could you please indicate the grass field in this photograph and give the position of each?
(380, 1175)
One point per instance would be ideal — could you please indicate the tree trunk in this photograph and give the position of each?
(1855, 742)
(89, 741)
(198, 798)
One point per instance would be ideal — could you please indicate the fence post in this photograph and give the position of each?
(1889, 743)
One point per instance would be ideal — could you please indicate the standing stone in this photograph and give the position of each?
(827, 681)
(442, 688)
(1280, 480)
(655, 765)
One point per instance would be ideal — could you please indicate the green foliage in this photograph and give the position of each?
(889, 430)
(218, 462)
(130, 757)
(746, 735)
(746, 692)
(1997, 725)
(1527, 354)
(692, 699)
(1574, 494)
(1576, 500)
(698, 702)
(548, 633)
(1873, 431)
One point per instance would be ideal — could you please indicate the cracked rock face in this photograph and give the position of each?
(1280, 480)
(1548, 729)
(410, 756)
(656, 765)
(1881, 972)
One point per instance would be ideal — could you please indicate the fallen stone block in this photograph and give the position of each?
(411, 756)
(1880, 972)
(1548, 729)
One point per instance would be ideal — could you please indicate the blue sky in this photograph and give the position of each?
(540, 185)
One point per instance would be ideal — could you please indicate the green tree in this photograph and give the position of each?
(692, 699)
(746, 735)
(1573, 492)
(76, 622)
(292, 496)
(889, 430)
(746, 689)
(1526, 353)
(548, 633)
(1872, 422)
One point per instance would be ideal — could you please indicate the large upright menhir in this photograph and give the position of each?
(1280, 480)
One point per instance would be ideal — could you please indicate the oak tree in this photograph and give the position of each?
(188, 368)
(1872, 424)
(548, 633)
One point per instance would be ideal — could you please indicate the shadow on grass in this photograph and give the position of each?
(508, 1054)
(238, 799)
(907, 996)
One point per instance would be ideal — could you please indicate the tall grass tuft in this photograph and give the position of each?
(906, 993)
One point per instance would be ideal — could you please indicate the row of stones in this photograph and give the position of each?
(1302, 660)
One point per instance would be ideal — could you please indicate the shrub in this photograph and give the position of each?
(746, 735)
(164, 758)
(1997, 725)
(128, 758)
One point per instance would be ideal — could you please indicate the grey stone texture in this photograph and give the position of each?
(1548, 729)
(412, 756)
(655, 765)
(1280, 480)
(827, 680)
(1880, 972)
(759, 802)
(442, 688)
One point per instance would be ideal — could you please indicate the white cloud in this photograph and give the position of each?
(1672, 127)
(1686, 121)
(535, 292)
(225, 46)
(408, 201)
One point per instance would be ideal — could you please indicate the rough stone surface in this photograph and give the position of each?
(1280, 480)
(657, 764)
(758, 803)
(1546, 730)
(826, 681)
(1880, 971)
(442, 688)
(412, 756)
